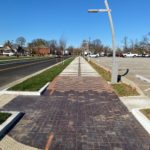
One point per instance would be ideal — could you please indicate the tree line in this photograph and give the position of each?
(94, 46)
(137, 46)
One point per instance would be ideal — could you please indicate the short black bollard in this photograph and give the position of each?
(119, 76)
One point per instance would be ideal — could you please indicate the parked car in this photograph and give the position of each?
(130, 55)
(145, 55)
(94, 55)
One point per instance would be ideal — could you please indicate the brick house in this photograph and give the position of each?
(42, 51)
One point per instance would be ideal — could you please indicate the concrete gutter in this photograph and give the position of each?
(6, 126)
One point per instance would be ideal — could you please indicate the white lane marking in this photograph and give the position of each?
(143, 78)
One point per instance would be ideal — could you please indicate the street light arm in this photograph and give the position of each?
(98, 10)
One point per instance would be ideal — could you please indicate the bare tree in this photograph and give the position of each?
(20, 41)
(62, 44)
(132, 45)
(125, 44)
(53, 46)
(8, 43)
(144, 45)
(97, 46)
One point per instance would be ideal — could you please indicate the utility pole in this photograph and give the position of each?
(114, 63)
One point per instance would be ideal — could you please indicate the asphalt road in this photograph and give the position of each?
(16, 70)
(139, 70)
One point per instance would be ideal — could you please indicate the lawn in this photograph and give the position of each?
(12, 58)
(146, 112)
(4, 117)
(121, 89)
(105, 74)
(37, 82)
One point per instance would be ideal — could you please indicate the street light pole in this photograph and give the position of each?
(114, 64)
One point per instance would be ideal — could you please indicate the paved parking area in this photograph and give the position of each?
(139, 70)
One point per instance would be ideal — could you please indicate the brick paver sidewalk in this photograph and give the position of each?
(79, 111)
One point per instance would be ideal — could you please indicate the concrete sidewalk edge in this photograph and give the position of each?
(143, 120)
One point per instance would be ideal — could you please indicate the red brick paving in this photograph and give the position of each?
(80, 84)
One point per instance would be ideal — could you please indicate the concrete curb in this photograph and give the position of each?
(27, 93)
(143, 120)
(4, 127)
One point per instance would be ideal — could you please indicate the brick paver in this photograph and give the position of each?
(78, 113)
(81, 84)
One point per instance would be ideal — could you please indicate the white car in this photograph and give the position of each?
(130, 55)
(94, 55)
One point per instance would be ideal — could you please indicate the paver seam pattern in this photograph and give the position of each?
(81, 84)
(84, 119)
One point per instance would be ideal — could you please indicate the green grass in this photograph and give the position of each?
(146, 112)
(123, 89)
(12, 58)
(120, 89)
(105, 74)
(4, 117)
(38, 81)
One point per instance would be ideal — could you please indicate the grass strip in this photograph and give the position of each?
(20, 59)
(13, 57)
(146, 112)
(4, 117)
(120, 89)
(105, 74)
(37, 82)
(123, 89)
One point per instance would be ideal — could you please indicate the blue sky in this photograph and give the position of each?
(52, 19)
